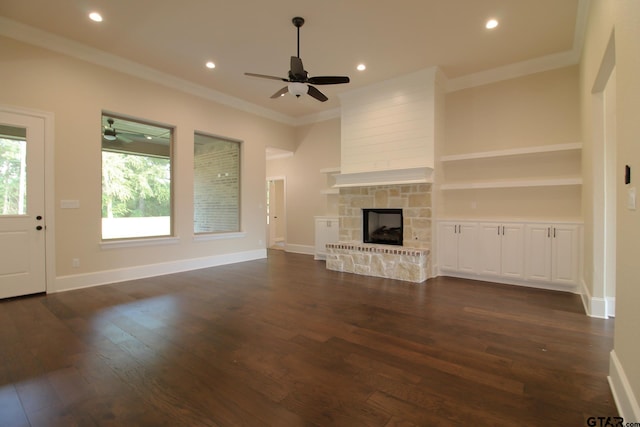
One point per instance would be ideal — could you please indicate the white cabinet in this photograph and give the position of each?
(501, 249)
(546, 255)
(457, 241)
(326, 232)
(552, 253)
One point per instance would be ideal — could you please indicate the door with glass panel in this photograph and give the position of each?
(22, 220)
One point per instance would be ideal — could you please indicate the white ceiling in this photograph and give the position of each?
(391, 37)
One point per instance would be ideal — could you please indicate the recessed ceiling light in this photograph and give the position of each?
(95, 16)
(491, 24)
(361, 67)
(210, 65)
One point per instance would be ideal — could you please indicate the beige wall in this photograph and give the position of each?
(538, 109)
(76, 92)
(621, 17)
(530, 111)
(627, 346)
(318, 147)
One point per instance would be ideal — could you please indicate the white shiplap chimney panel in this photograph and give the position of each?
(389, 125)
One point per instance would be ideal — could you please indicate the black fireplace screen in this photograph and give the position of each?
(383, 226)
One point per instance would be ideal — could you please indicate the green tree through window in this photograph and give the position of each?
(13, 174)
(136, 179)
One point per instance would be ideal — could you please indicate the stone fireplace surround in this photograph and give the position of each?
(411, 262)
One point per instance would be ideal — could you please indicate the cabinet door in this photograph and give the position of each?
(489, 249)
(326, 232)
(564, 254)
(467, 247)
(538, 252)
(448, 246)
(512, 250)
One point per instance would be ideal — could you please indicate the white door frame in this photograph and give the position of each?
(49, 189)
(283, 215)
(604, 206)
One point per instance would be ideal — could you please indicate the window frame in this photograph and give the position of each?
(227, 234)
(143, 239)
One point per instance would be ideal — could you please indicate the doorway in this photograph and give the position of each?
(604, 186)
(276, 213)
(22, 204)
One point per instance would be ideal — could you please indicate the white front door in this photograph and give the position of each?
(22, 222)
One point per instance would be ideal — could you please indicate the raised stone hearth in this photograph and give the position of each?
(408, 264)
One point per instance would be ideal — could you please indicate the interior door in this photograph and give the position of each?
(271, 213)
(276, 224)
(22, 222)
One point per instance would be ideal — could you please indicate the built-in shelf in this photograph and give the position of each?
(330, 170)
(512, 184)
(512, 152)
(331, 180)
(330, 191)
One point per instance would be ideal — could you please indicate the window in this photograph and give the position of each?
(13, 170)
(216, 185)
(136, 179)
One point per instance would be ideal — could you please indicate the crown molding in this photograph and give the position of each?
(334, 113)
(37, 37)
(512, 71)
(40, 38)
(532, 66)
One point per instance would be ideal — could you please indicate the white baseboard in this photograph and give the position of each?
(507, 281)
(611, 306)
(300, 249)
(626, 401)
(86, 280)
(595, 307)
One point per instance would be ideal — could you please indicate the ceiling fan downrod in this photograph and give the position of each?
(298, 22)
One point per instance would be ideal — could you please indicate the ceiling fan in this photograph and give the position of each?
(111, 134)
(298, 79)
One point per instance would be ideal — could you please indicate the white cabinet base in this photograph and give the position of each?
(532, 254)
(326, 232)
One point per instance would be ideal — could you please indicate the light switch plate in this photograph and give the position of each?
(631, 198)
(69, 204)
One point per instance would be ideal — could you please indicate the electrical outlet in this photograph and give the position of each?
(75, 262)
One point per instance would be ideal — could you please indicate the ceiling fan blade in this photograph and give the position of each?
(281, 92)
(264, 76)
(297, 69)
(328, 80)
(315, 93)
(124, 138)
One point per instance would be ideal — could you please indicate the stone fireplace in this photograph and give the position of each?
(411, 260)
(388, 135)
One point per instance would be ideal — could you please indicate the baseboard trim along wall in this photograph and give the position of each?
(80, 281)
(300, 249)
(595, 307)
(626, 401)
(509, 281)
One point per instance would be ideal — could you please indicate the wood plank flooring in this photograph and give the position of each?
(284, 342)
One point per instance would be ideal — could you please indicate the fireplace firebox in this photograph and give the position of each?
(382, 226)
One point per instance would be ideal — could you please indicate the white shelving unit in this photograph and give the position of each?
(513, 152)
(330, 173)
(513, 184)
(516, 154)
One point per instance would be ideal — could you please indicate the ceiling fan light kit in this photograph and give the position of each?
(298, 78)
(297, 89)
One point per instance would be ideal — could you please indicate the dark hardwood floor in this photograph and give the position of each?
(284, 342)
